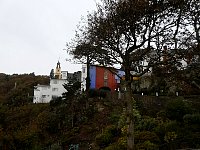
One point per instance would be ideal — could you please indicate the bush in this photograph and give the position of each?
(146, 140)
(176, 109)
(141, 137)
(115, 146)
(147, 145)
(171, 126)
(106, 138)
(192, 119)
(147, 124)
(93, 93)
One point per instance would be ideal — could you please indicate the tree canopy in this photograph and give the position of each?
(142, 34)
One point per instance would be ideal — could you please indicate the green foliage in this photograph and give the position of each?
(143, 136)
(170, 136)
(38, 126)
(122, 119)
(106, 138)
(48, 121)
(19, 129)
(177, 108)
(27, 126)
(191, 122)
(116, 146)
(147, 145)
(147, 124)
(72, 89)
(114, 118)
(162, 114)
(171, 126)
(192, 119)
(17, 90)
(146, 140)
(56, 102)
(103, 139)
(52, 74)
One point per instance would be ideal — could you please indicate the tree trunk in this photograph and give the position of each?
(88, 76)
(130, 118)
(129, 103)
(87, 83)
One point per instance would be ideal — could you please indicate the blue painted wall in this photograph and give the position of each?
(92, 77)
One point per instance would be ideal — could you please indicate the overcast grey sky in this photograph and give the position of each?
(33, 34)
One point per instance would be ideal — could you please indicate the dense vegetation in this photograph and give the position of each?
(142, 36)
(99, 122)
(18, 89)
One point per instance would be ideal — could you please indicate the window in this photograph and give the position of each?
(54, 89)
(105, 74)
(43, 96)
(64, 75)
(105, 82)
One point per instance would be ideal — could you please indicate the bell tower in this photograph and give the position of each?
(58, 71)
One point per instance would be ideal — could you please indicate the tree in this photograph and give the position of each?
(125, 31)
(132, 33)
(83, 50)
(72, 98)
(52, 74)
(177, 108)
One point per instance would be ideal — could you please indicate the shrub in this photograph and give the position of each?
(115, 146)
(192, 119)
(147, 145)
(141, 137)
(176, 109)
(147, 124)
(93, 93)
(106, 138)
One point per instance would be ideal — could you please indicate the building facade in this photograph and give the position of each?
(101, 76)
(46, 93)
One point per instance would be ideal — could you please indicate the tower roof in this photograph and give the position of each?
(58, 65)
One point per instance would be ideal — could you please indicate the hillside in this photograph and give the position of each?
(18, 89)
(99, 123)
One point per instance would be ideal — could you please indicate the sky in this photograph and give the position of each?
(33, 34)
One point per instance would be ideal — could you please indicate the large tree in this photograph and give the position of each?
(126, 32)
(83, 50)
(129, 32)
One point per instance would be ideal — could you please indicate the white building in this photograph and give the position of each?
(83, 77)
(42, 94)
(46, 93)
